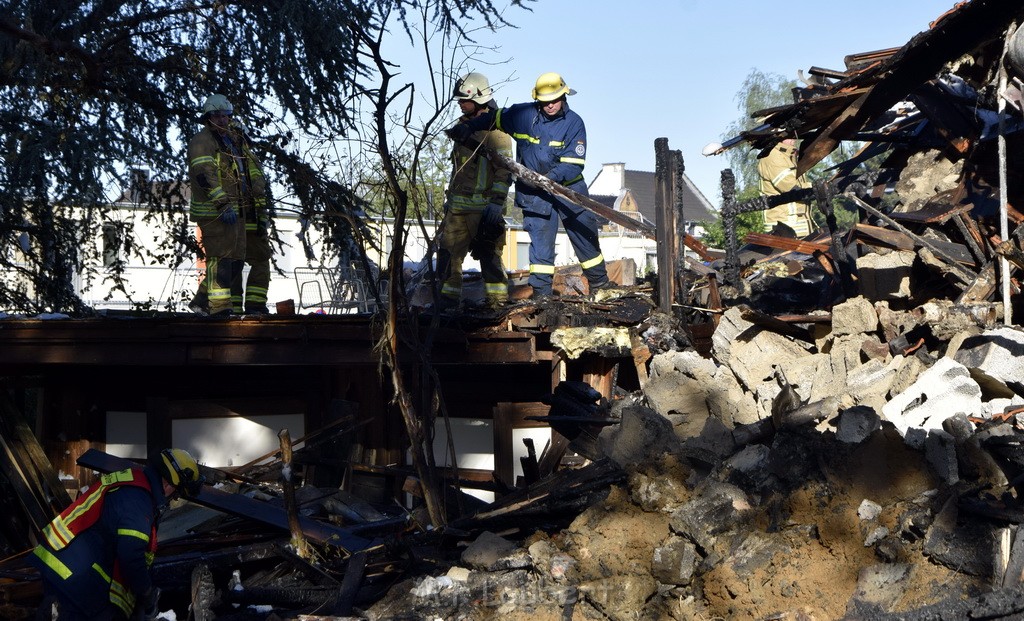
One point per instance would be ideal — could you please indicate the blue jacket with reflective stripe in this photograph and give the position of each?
(555, 147)
(122, 534)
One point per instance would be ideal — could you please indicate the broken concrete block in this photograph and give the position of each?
(642, 434)
(678, 384)
(715, 439)
(894, 322)
(721, 508)
(749, 467)
(996, 354)
(854, 316)
(939, 392)
(487, 551)
(869, 510)
(674, 561)
(730, 327)
(856, 424)
(879, 588)
(728, 402)
(869, 384)
(885, 276)
(752, 360)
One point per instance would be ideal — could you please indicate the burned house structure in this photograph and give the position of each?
(939, 120)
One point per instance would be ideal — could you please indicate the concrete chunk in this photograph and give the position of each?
(854, 316)
(996, 354)
(941, 391)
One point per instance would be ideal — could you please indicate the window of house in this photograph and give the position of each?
(112, 246)
(522, 255)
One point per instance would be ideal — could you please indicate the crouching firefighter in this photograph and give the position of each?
(96, 555)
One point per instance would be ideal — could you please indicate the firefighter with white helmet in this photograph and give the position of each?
(551, 140)
(475, 202)
(95, 556)
(229, 203)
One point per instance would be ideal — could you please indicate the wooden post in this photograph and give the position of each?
(664, 200)
(298, 539)
(679, 266)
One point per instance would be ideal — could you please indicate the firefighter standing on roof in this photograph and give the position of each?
(474, 210)
(96, 554)
(551, 140)
(229, 202)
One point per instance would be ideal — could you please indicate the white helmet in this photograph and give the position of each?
(473, 86)
(217, 103)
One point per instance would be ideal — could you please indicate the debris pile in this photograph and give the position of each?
(831, 478)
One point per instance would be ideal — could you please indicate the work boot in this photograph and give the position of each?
(256, 309)
(200, 303)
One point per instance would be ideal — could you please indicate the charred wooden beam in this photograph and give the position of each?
(962, 275)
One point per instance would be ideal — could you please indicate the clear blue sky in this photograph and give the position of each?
(650, 68)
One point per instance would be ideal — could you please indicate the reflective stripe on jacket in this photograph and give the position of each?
(555, 147)
(216, 179)
(87, 547)
(476, 181)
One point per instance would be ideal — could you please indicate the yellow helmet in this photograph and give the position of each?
(549, 87)
(217, 103)
(473, 86)
(180, 469)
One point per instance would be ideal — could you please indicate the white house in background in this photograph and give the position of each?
(634, 190)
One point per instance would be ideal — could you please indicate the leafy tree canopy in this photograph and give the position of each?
(90, 90)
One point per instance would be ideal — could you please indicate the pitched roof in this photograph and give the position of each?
(696, 207)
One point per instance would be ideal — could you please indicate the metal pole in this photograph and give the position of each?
(1004, 227)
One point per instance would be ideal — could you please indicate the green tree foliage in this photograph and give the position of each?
(759, 93)
(90, 90)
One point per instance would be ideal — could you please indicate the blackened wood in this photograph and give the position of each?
(665, 221)
(958, 272)
(354, 573)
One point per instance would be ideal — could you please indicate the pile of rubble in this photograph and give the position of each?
(872, 484)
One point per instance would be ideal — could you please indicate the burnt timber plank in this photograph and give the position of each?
(786, 243)
(186, 342)
(241, 506)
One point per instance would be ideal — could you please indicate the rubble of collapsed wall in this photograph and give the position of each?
(894, 498)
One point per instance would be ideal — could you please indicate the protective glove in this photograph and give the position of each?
(230, 214)
(493, 218)
(480, 248)
(459, 132)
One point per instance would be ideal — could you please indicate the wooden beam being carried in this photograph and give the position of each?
(542, 182)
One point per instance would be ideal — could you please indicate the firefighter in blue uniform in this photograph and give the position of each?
(551, 140)
(96, 554)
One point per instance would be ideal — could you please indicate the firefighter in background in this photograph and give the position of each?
(474, 219)
(777, 171)
(229, 203)
(95, 557)
(551, 140)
